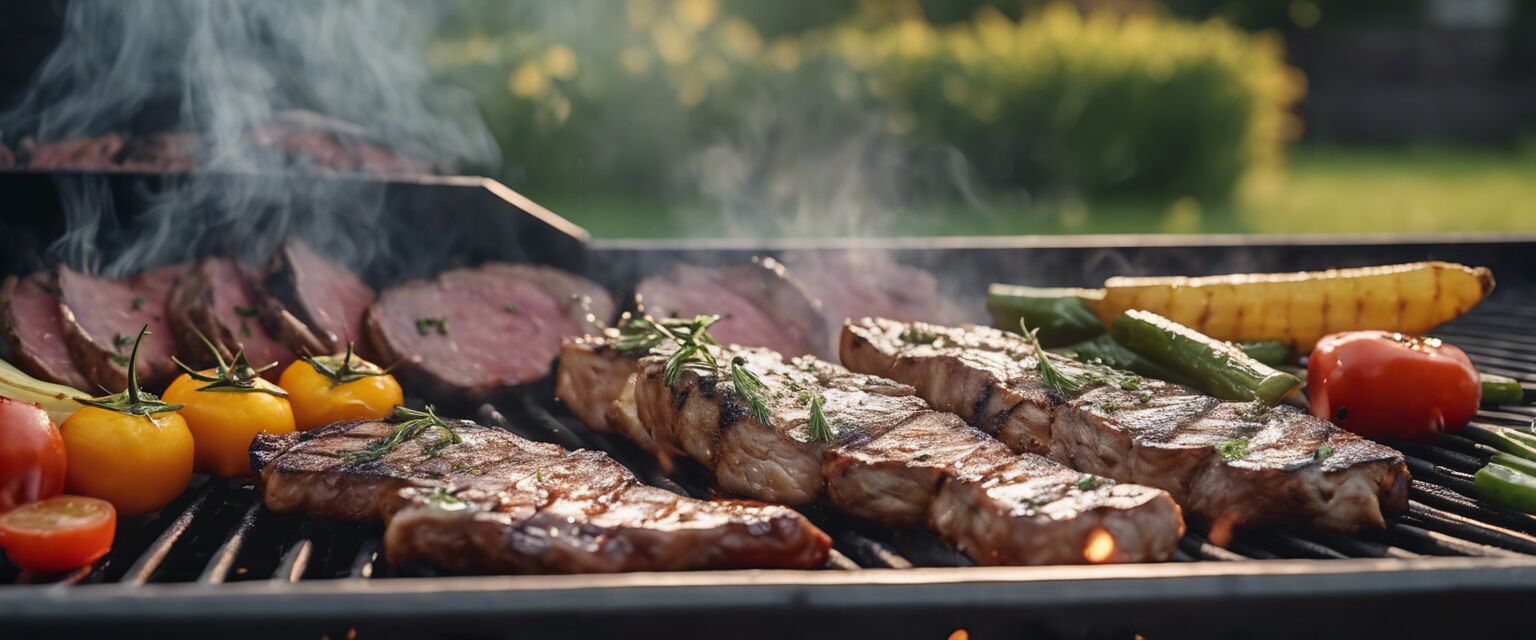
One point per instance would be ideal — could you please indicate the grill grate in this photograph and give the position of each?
(217, 532)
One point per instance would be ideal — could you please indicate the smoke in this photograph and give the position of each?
(226, 71)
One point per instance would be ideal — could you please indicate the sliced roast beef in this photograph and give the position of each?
(495, 503)
(873, 285)
(312, 303)
(470, 334)
(34, 329)
(759, 305)
(102, 316)
(216, 298)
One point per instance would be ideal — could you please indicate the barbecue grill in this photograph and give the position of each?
(216, 559)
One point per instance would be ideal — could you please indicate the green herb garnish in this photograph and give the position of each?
(696, 351)
(245, 312)
(818, 426)
(1089, 482)
(245, 329)
(1049, 374)
(1234, 449)
(512, 308)
(1322, 453)
(133, 400)
(119, 341)
(424, 326)
(1256, 412)
(751, 389)
(239, 377)
(138, 303)
(443, 498)
(914, 335)
(412, 424)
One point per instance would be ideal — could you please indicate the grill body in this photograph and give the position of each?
(216, 557)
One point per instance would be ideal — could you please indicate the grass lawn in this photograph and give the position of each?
(1325, 190)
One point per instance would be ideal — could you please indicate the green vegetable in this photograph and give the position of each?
(1506, 487)
(1514, 462)
(1105, 350)
(1510, 441)
(1271, 352)
(58, 400)
(1062, 316)
(1502, 390)
(1218, 368)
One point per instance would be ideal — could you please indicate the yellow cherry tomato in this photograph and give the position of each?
(349, 389)
(223, 423)
(136, 462)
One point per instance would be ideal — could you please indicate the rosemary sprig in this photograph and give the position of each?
(412, 424)
(751, 389)
(239, 377)
(1234, 449)
(1054, 378)
(133, 400)
(344, 368)
(818, 426)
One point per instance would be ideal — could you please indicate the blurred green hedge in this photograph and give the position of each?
(584, 97)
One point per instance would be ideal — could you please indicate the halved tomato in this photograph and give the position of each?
(58, 534)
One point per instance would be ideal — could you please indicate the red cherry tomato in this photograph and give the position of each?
(58, 534)
(32, 459)
(1377, 383)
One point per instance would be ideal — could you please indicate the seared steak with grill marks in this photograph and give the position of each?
(102, 316)
(473, 333)
(758, 304)
(218, 299)
(311, 302)
(891, 459)
(1231, 463)
(34, 329)
(496, 503)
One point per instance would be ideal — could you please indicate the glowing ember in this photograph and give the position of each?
(960, 634)
(1221, 531)
(1100, 547)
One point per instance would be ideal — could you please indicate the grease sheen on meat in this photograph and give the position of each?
(759, 305)
(890, 459)
(496, 503)
(1231, 463)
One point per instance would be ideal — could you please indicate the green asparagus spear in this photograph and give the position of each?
(1506, 487)
(1501, 390)
(1271, 352)
(1218, 368)
(1106, 350)
(1061, 316)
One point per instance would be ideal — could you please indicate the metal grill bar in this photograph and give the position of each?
(1444, 519)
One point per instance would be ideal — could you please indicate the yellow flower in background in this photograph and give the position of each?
(696, 14)
(740, 38)
(636, 60)
(640, 12)
(691, 92)
(784, 54)
(527, 80)
(674, 46)
(560, 62)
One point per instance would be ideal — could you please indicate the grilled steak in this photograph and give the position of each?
(217, 299)
(591, 376)
(891, 459)
(758, 305)
(313, 303)
(102, 316)
(1231, 463)
(472, 333)
(851, 285)
(497, 503)
(34, 329)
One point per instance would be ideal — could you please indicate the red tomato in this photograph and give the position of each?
(31, 455)
(1377, 383)
(58, 534)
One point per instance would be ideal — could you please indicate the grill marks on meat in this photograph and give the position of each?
(472, 333)
(892, 460)
(759, 305)
(311, 302)
(1292, 468)
(102, 316)
(33, 325)
(218, 298)
(497, 503)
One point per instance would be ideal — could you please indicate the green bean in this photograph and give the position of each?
(1218, 368)
(1062, 316)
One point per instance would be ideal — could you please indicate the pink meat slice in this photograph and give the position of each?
(101, 316)
(325, 296)
(758, 305)
(217, 299)
(34, 329)
(471, 333)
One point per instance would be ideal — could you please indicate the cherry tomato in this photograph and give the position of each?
(58, 534)
(138, 463)
(223, 423)
(339, 388)
(32, 459)
(1377, 383)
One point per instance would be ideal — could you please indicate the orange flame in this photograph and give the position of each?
(1221, 531)
(1100, 547)
(960, 634)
